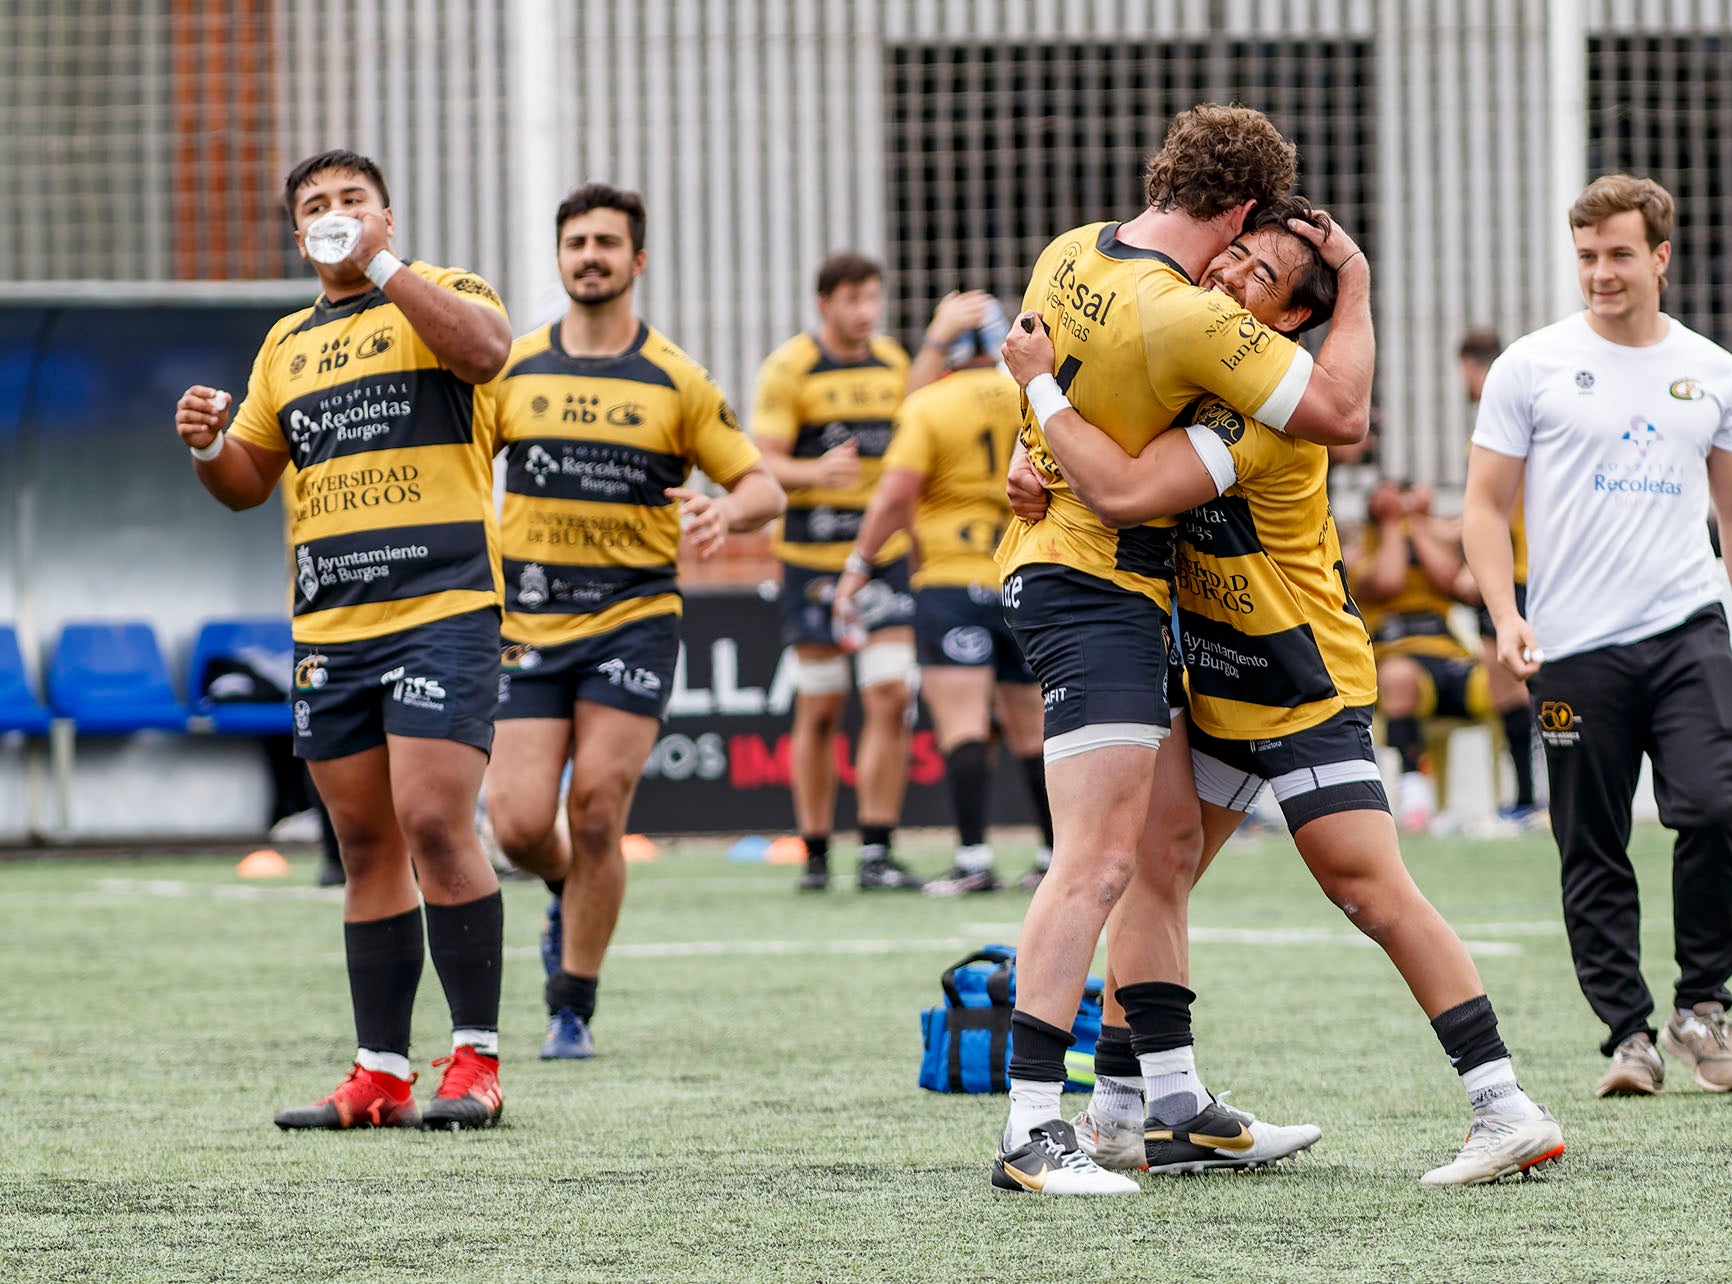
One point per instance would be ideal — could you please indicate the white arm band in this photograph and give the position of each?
(204, 454)
(1215, 456)
(1279, 408)
(382, 267)
(1045, 398)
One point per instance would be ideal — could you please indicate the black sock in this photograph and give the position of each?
(556, 886)
(1034, 771)
(1113, 1055)
(876, 836)
(1158, 1014)
(384, 959)
(1403, 736)
(466, 942)
(969, 776)
(817, 848)
(1037, 1049)
(1518, 732)
(574, 992)
(1468, 1033)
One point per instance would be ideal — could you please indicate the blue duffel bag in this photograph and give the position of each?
(967, 1037)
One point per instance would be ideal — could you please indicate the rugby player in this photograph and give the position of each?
(822, 418)
(1407, 578)
(371, 392)
(1281, 684)
(1137, 342)
(944, 480)
(601, 419)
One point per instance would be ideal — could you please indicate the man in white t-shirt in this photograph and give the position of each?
(1615, 427)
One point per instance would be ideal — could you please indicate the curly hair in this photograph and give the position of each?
(1215, 158)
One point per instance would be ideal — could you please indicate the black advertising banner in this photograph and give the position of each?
(721, 763)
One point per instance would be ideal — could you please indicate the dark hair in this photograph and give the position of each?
(847, 268)
(338, 159)
(1315, 285)
(1215, 158)
(1480, 345)
(600, 196)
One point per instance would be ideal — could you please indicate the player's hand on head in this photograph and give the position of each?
(1028, 351)
(200, 414)
(1023, 487)
(956, 314)
(1333, 244)
(839, 467)
(703, 521)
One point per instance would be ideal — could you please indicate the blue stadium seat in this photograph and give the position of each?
(19, 708)
(110, 679)
(256, 644)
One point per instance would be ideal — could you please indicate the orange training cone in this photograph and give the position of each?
(639, 848)
(264, 863)
(789, 849)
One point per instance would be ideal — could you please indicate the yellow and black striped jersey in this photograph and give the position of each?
(1416, 620)
(1135, 343)
(589, 537)
(958, 434)
(1273, 641)
(812, 403)
(390, 500)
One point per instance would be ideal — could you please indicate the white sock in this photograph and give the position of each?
(1170, 1082)
(1117, 1100)
(391, 1063)
(483, 1041)
(974, 858)
(1032, 1103)
(1492, 1090)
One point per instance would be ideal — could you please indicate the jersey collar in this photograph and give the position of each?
(632, 349)
(1109, 244)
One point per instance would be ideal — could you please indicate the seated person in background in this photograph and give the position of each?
(1405, 581)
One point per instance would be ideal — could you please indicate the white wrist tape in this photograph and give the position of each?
(857, 563)
(1045, 398)
(382, 267)
(204, 454)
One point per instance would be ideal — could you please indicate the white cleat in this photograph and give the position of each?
(1051, 1162)
(1499, 1147)
(1222, 1136)
(1110, 1143)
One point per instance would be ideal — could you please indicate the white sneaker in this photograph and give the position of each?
(302, 827)
(1499, 1147)
(1051, 1162)
(1221, 1136)
(1110, 1142)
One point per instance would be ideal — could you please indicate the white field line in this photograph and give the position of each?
(163, 888)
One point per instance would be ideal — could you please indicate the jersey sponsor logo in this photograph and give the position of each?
(726, 414)
(358, 566)
(518, 655)
(540, 465)
(532, 586)
(297, 365)
(416, 691)
(626, 414)
(1055, 696)
(1558, 723)
(640, 682)
(474, 285)
(1229, 592)
(1222, 420)
(303, 718)
(538, 405)
(333, 354)
(565, 530)
(1010, 596)
(356, 414)
(1069, 290)
(354, 489)
(305, 575)
(1687, 390)
(311, 673)
(1643, 435)
(1253, 337)
(1585, 380)
(375, 344)
(580, 409)
(967, 644)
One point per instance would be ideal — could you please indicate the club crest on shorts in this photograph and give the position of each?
(966, 644)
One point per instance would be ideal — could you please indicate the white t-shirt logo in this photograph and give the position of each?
(1642, 435)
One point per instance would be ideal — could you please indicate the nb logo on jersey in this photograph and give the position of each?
(580, 410)
(333, 355)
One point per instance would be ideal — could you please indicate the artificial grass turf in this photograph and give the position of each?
(753, 1115)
